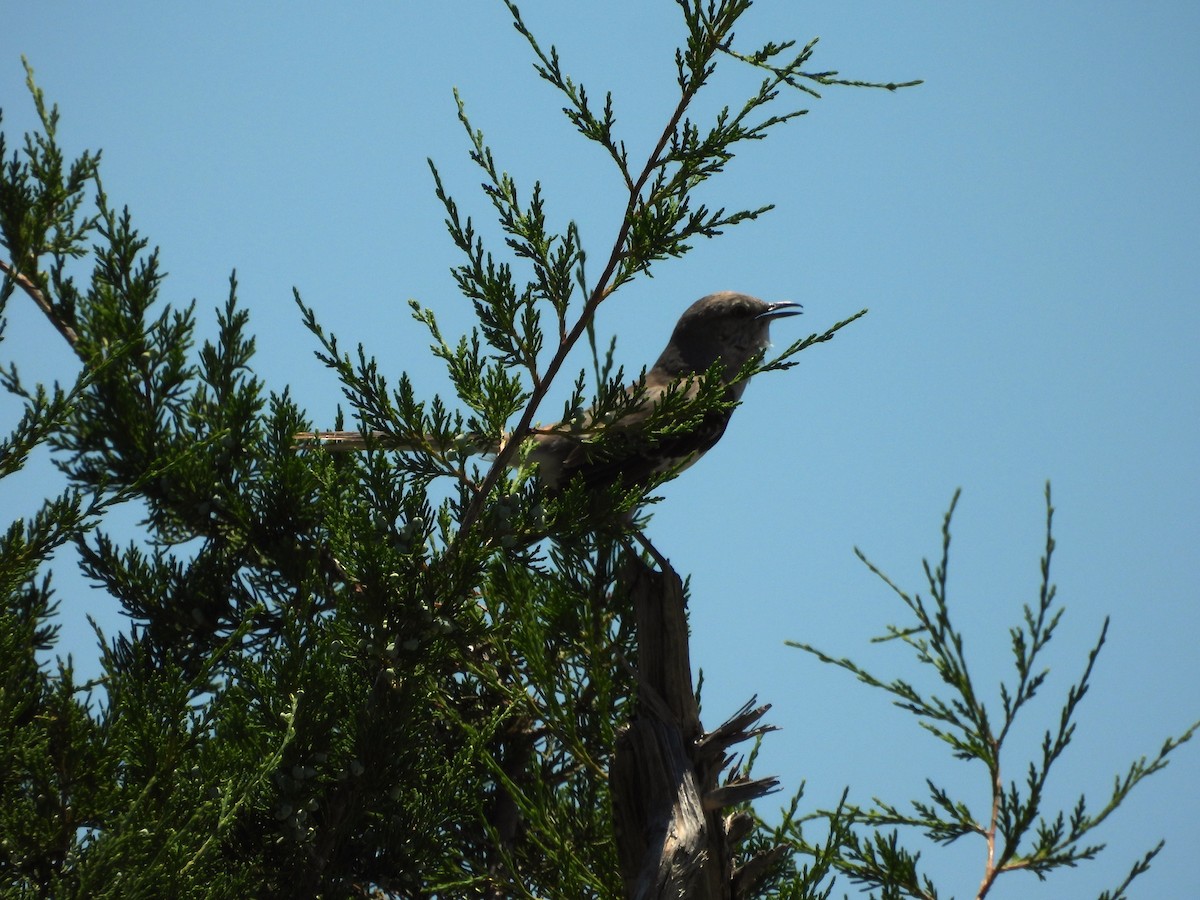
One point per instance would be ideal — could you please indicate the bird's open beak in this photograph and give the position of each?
(780, 309)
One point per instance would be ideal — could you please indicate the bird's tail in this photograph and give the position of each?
(355, 441)
(342, 441)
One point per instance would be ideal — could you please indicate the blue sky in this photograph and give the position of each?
(1024, 227)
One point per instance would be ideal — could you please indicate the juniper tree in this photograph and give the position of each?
(398, 674)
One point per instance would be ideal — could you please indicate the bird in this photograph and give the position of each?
(725, 330)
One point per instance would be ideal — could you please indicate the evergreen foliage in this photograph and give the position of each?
(389, 674)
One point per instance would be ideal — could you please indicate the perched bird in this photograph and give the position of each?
(726, 328)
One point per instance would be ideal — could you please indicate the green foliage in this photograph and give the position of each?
(343, 674)
(1019, 833)
(387, 674)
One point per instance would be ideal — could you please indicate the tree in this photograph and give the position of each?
(404, 674)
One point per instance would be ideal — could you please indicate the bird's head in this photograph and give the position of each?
(726, 326)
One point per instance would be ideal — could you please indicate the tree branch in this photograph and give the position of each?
(25, 283)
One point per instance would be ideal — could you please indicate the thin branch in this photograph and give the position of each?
(601, 290)
(25, 283)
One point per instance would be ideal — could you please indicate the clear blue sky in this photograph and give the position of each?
(1025, 229)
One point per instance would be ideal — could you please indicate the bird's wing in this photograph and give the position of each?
(627, 452)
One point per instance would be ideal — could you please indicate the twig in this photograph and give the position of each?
(25, 283)
(599, 293)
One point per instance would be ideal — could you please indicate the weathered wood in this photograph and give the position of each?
(664, 834)
(672, 839)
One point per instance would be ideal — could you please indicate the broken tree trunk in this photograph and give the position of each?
(673, 839)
